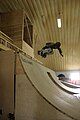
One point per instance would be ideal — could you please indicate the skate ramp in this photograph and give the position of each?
(53, 91)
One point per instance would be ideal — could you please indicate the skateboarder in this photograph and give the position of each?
(48, 49)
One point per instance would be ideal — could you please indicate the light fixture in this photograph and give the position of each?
(59, 22)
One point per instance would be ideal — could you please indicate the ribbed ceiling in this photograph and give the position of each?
(43, 15)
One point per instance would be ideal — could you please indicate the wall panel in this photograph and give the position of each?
(6, 83)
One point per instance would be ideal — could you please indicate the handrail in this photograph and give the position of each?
(8, 42)
(4, 36)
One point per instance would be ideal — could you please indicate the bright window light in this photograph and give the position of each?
(59, 22)
(75, 76)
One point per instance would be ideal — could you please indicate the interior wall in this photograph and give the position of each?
(0, 22)
(12, 25)
(6, 83)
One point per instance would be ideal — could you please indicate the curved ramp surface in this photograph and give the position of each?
(51, 89)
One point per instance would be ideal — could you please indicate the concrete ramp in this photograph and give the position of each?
(53, 91)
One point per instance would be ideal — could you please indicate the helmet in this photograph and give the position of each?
(58, 44)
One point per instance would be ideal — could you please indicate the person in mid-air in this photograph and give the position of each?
(48, 49)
